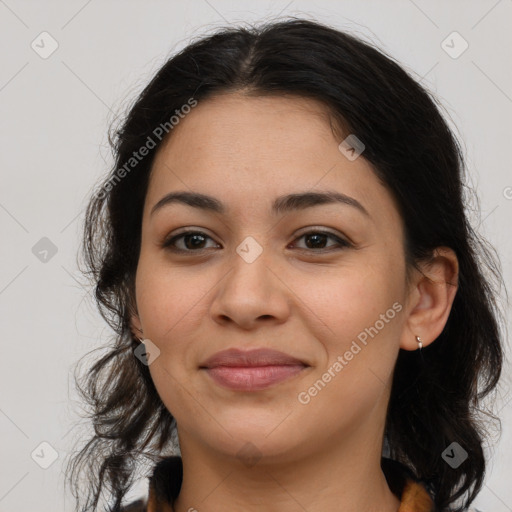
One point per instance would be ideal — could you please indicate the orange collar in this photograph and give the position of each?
(414, 495)
(415, 498)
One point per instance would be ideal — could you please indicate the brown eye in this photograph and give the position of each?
(189, 241)
(317, 240)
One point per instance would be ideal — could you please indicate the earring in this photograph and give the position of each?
(420, 343)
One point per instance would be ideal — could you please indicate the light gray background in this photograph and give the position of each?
(54, 118)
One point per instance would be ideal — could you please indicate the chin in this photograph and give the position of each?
(270, 440)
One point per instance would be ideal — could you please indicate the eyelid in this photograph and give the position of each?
(322, 229)
(343, 241)
(188, 230)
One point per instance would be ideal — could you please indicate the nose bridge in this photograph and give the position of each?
(250, 265)
(250, 250)
(250, 289)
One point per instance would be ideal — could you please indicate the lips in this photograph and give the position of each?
(252, 370)
(250, 358)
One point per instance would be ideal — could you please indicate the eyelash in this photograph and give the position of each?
(169, 243)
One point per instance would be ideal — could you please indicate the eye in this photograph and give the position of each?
(196, 241)
(193, 241)
(316, 240)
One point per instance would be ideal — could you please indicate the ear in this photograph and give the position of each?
(135, 323)
(136, 326)
(430, 299)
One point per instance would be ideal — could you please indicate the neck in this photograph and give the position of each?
(340, 474)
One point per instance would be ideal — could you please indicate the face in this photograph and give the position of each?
(322, 282)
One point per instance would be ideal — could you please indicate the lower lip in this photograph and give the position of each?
(252, 378)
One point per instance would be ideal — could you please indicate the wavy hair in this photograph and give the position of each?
(434, 401)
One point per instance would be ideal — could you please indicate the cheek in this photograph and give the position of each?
(342, 304)
(360, 326)
(171, 306)
(358, 322)
(170, 301)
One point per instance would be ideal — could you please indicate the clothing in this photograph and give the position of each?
(165, 484)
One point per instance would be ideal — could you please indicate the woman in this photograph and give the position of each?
(283, 252)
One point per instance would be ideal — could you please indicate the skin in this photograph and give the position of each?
(305, 301)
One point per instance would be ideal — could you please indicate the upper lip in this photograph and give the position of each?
(255, 357)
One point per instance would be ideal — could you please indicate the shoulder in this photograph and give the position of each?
(402, 481)
(163, 487)
(141, 506)
(135, 506)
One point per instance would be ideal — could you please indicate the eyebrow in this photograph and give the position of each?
(282, 204)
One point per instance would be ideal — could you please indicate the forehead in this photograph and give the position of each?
(237, 125)
(241, 148)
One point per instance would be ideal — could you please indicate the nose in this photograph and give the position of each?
(252, 294)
